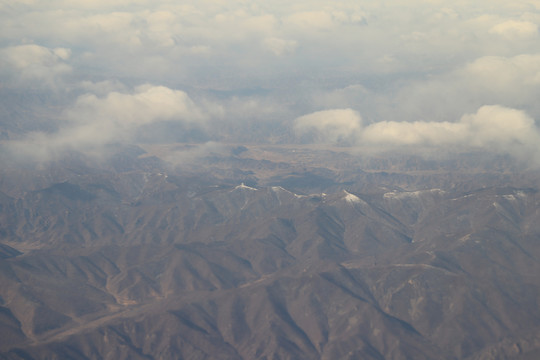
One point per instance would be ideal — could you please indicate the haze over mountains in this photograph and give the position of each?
(243, 255)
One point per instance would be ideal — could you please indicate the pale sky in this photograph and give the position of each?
(365, 73)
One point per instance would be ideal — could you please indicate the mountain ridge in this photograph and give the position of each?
(161, 262)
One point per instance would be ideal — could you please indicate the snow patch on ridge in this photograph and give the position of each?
(351, 198)
(244, 186)
(278, 189)
(410, 194)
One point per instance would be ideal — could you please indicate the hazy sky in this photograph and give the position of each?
(364, 73)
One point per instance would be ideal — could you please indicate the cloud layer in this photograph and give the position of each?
(493, 127)
(35, 66)
(273, 71)
(93, 122)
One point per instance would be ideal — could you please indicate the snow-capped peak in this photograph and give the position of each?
(244, 186)
(351, 197)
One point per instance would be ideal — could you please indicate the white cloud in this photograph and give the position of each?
(311, 20)
(280, 46)
(411, 69)
(145, 105)
(512, 82)
(37, 64)
(169, 39)
(395, 133)
(93, 122)
(494, 128)
(338, 125)
(503, 74)
(501, 128)
(515, 29)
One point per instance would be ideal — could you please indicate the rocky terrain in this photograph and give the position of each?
(269, 252)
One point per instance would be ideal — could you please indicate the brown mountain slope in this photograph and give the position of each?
(151, 262)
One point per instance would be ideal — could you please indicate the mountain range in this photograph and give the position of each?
(269, 252)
